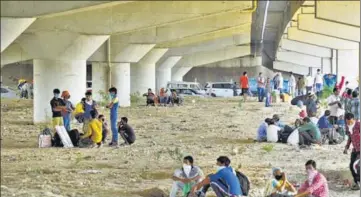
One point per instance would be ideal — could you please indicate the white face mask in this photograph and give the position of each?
(187, 169)
(219, 168)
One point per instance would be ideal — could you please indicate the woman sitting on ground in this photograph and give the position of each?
(279, 184)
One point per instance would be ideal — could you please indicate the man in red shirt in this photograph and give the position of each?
(243, 81)
(353, 132)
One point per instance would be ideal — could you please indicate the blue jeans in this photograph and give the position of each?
(260, 94)
(164, 100)
(66, 120)
(113, 126)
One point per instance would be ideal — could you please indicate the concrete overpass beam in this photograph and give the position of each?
(201, 58)
(164, 71)
(65, 71)
(308, 22)
(299, 58)
(290, 67)
(346, 12)
(320, 40)
(12, 54)
(180, 72)
(122, 57)
(11, 28)
(304, 48)
(143, 73)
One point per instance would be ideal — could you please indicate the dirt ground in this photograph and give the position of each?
(205, 129)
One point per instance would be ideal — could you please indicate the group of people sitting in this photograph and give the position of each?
(95, 127)
(166, 97)
(226, 181)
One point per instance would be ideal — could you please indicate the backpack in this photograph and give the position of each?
(244, 182)
(285, 134)
(56, 142)
(74, 136)
(44, 139)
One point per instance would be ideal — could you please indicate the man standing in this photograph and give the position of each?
(334, 103)
(113, 106)
(355, 105)
(186, 177)
(309, 83)
(353, 132)
(318, 83)
(89, 105)
(260, 87)
(292, 85)
(300, 86)
(244, 85)
(57, 106)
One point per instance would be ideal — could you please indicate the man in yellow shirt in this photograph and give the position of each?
(93, 135)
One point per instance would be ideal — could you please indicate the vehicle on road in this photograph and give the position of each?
(187, 92)
(221, 89)
(186, 85)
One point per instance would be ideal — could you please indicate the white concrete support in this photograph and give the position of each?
(99, 80)
(304, 48)
(11, 28)
(308, 22)
(326, 65)
(50, 74)
(320, 40)
(164, 71)
(299, 58)
(120, 75)
(333, 61)
(180, 72)
(290, 67)
(143, 72)
(201, 58)
(348, 61)
(346, 12)
(12, 54)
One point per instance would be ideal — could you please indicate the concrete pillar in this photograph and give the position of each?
(99, 79)
(62, 74)
(180, 72)
(143, 72)
(333, 62)
(120, 75)
(11, 28)
(164, 71)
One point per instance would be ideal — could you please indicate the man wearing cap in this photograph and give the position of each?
(311, 105)
(69, 109)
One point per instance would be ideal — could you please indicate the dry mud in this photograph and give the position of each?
(205, 129)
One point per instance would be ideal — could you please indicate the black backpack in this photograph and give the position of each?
(244, 182)
(74, 137)
(285, 134)
(56, 142)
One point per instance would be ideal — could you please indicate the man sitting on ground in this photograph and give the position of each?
(176, 99)
(93, 135)
(262, 131)
(278, 123)
(186, 177)
(315, 185)
(309, 133)
(163, 97)
(224, 182)
(273, 131)
(151, 97)
(279, 185)
(126, 131)
(105, 128)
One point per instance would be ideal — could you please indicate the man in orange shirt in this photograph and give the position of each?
(244, 85)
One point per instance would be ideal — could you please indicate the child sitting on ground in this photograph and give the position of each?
(79, 111)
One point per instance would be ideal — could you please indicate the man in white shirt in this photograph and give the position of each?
(280, 87)
(318, 82)
(273, 131)
(334, 103)
(292, 85)
(309, 83)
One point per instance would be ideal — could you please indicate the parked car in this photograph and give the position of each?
(6, 92)
(185, 85)
(187, 92)
(221, 89)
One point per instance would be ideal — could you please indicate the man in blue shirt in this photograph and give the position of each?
(323, 122)
(278, 123)
(262, 131)
(224, 182)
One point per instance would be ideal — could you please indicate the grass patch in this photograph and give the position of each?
(155, 175)
(268, 147)
(234, 141)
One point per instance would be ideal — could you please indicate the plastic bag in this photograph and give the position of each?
(294, 138)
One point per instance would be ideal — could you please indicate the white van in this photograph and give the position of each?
(185, 85)
(221, 89)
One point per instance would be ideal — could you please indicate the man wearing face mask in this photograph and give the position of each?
(279, 185)
(353, 132)
(315, 185)
(185, 177)
(224, 183)
(57, 106)
(113, 106)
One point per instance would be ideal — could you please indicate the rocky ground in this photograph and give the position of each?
(205, 129)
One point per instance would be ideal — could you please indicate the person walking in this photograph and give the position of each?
(244, 85)
(292, 85)
(260, 87)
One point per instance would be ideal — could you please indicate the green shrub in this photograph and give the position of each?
(135, 98)
(104, 98)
